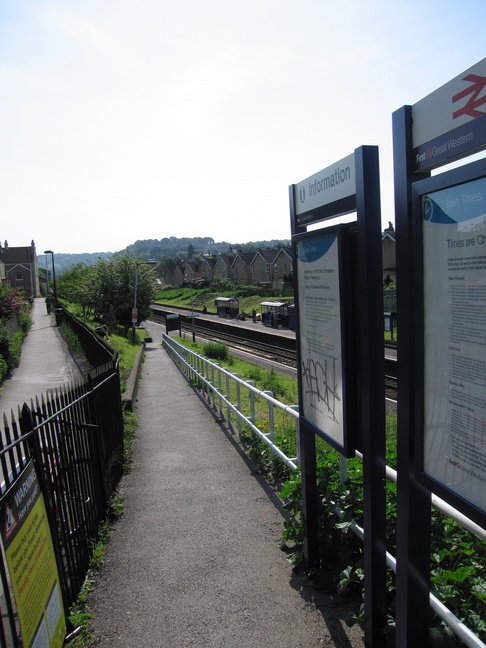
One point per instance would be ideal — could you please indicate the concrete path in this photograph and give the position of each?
(45, 363)
(195, 559)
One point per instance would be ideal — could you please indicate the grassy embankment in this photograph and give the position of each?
(181, 298)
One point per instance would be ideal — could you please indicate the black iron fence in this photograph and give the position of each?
(75, 436)
(97, 351)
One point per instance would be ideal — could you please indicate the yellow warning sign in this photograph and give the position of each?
(32, 564)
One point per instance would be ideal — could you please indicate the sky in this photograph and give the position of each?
(125, 120)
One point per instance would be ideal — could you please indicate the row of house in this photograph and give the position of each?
(261, 267)
(269, 266)
(18, 268)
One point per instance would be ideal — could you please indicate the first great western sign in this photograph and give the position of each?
(450, 122)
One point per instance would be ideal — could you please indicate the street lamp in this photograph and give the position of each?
(192, 314)
(134, 311)
(53, 275)
(47, 279)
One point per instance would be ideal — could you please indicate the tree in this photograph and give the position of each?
(107, 289)
(77, 285)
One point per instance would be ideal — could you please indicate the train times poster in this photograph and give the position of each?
(454, 301)
(320, 327)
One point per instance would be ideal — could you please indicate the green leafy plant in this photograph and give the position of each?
(216, 351)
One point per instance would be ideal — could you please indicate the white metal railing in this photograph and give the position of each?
(199, 368)
(210, 377)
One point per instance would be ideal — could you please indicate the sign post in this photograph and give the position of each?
(338, 286)
(448, 125)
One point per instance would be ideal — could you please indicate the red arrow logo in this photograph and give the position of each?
(478, 83)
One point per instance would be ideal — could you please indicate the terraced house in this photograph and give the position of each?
(21, 269)
(262, 266)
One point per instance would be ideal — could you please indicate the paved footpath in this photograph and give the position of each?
(45, 363)
(195, 559)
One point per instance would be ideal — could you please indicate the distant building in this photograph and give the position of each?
(388, 253)
(241, 266)
(262, 266)
(21, 269)
(191, 271)
(178, 276)
(282, 265)
(222, 268)
(207, 268)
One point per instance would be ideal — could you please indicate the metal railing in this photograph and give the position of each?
(97, 351)
(209, 376)
(75, 436)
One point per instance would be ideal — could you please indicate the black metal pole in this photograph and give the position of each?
(370, 352)
(53, 275)
(413, 501)
(308, 462)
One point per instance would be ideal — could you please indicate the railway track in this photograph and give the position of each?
(273, 350)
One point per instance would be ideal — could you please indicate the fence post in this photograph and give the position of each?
(227, 396)
(252, 402)
(343, 469)
(238, 400)
(213, 385)
(297, 434)
(220, 400)
(271, 424)
(208, 389)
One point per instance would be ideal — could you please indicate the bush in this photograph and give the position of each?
(271, 382)
(3, 368)
(216, 351)
(5, 344)
(11, 344)
(24, 322)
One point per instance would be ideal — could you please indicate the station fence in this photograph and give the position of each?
(74, 434)
(224, 391)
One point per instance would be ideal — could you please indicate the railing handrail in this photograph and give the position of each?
(291, 410)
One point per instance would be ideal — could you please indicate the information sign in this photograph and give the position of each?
(331, 191)
(321, 300)
(453, 233)
(31, 562)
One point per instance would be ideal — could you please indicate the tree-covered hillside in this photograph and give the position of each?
(66, 261)
(155, 249)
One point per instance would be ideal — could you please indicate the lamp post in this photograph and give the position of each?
(192, 314)
(134, 310)
(53, 275)
(47, 279)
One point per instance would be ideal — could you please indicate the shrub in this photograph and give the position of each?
(24, 322)
(3, 368)
(271, 382)
(254, 373)
(10, 347)
(216, 351)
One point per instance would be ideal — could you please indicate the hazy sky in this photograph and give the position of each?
(125, 120)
